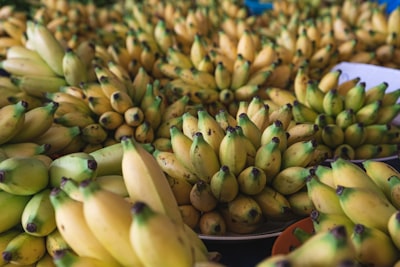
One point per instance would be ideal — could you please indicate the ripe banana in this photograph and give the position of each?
(13, 206)
(224, 184)
(12, 119)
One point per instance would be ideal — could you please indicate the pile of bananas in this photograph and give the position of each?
(351, 217)
(225, 113)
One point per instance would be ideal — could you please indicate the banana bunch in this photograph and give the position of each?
(340, 203)
(224, 170)
(355, 121)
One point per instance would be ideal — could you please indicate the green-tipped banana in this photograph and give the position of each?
(290, 180)
(275, 129)
(325, 248)
(66, 257)
(13, 207)
(298, 154)
(355, 97)
(230, 151)
(327, 221)
(23, 175)
(38, 217)
(203, 157)
(12, 119)
(78, 166)
(153, 234)
(24, 249)
(366, 240)
(315, 96)
(48, 47)
(269, 158)
(362, 205)
(224, 184)
(5, 237)
(394, 228)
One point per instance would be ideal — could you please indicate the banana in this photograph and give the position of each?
(345, 86)
(154, 190)
(224, 184)
(72, 226)
(14, 206)
(98, 202)
(290, 180)
(298, 154)
(342, 168)
(78, 166)
(302, 113)
(272, 203)
(283, 114)
(242, 215)
(280, 96)
(326, 221)
(251, 180)
(345, 118)
(323, 196)
(203, 157)
(300, 204)
(24, 149)
(26, 66)
(210, 129)
(48, 47)
(222, 76)
(332, 103)
(170, 164)
(229, 151)
(269, 158)
(300, 83)
(12, 120)
(202, 197)
(365, 238)
(333, 246)
(5, 238)
(375, 92)
(315, 96)
(111, 119)
(145, 224)
(353, 199)
(367, 151)
(13, 171)
(250, 129)
(36, 122)
(24, 249)
(380, 172)
(274, 260)
(225, 119)
(393, 228)
(74, 69)
(329, 81)
(394, 186)
(120, 101)
(65, 257)
(38, 216)
(355, 134)
(45, 261)
(386, 114)
(108, 159)
(58, 137)
(133, 116)
(71, 187)
(261, 117)
(212, 223)
(181, 190)
(301, 132)
(332, 135)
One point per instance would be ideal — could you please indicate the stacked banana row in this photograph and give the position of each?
(355, 121)
(66, 213)
(352, 218)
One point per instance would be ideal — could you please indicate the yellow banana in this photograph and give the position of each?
(202, 197)
(298, 154)
(229, 151)
(272, 203)
(224, 184)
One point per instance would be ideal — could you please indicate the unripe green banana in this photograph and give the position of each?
(354, 201)
(366, 239)
(230, 151)
(345, 118)
(332, 135)
(13, 173)
(224, 184)
(78, 166)
(355, 134)
(24, 249)
(38, 217)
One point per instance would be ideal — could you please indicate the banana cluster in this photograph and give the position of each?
(233, 173)
(340, 210)
(59, 202)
